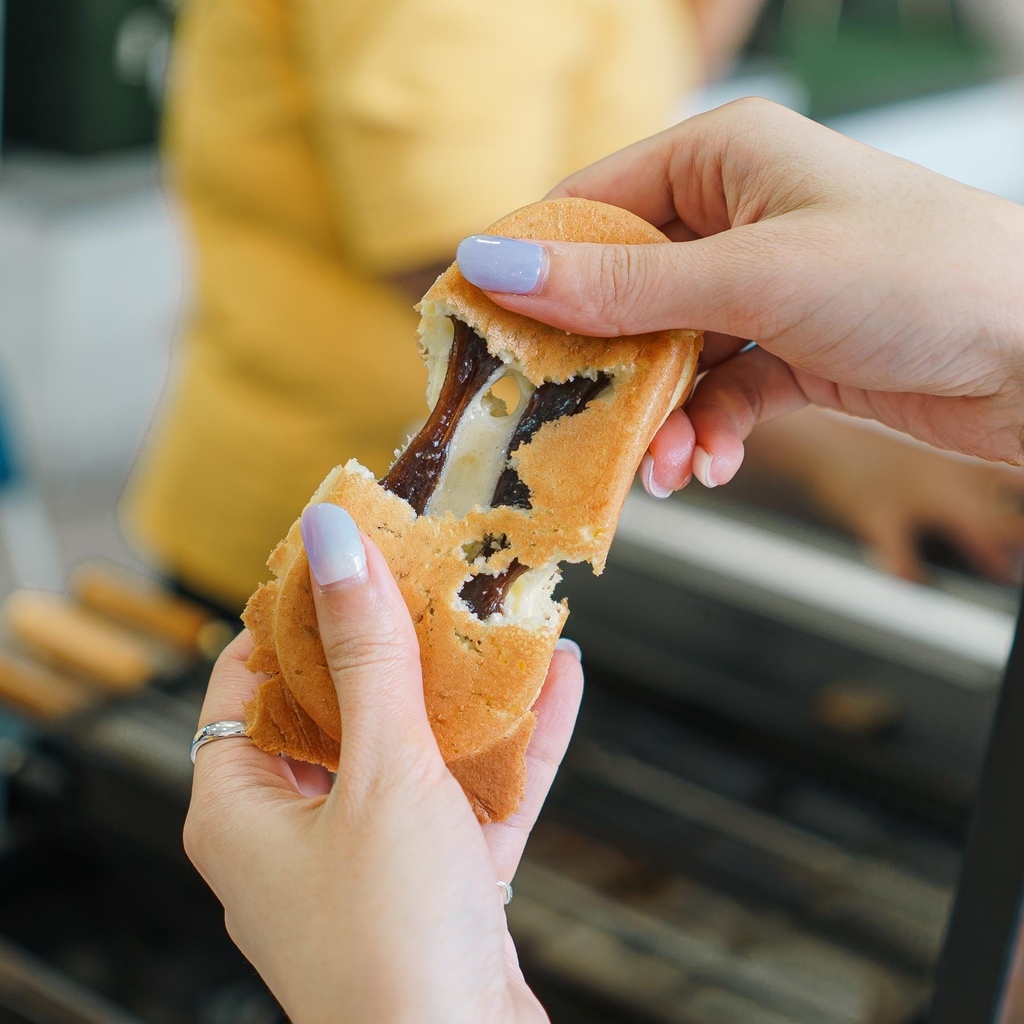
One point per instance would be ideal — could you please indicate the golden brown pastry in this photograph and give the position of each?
(478, 511)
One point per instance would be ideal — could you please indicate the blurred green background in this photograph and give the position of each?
(85, 76)
(862, 53)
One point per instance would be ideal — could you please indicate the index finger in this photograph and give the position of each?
(636, 178)
(233, 765)
(689, 179)
(231, 683)
(556, 711)
(735, 165)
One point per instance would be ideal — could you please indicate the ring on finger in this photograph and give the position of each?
(225, 730)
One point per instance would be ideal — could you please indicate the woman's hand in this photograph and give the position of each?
(375, 898)
(870, 285)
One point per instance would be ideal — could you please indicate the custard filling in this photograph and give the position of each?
(464, 457)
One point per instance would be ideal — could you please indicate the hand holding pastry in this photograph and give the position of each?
(871, 285)
(374, 898)
(524, 462)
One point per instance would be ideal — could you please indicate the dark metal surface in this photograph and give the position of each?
(984, 928)
(35, 993)
(742, 671)
(714, 850)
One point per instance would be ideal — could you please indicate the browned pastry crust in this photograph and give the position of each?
(493, 780)
(483, 672)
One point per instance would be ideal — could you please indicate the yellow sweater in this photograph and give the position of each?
(317, 147)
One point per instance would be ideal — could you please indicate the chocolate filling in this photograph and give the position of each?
(549, 402)
(417, 471)
(485, 594)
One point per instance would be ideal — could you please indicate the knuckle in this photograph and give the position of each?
(234, 930)
(193, 838)
(369, 779)
(748, 407)
(759, 113)
(356, 648)
(620, 284)
(754, 106)
(206, 830)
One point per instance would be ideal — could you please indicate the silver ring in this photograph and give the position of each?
(216, 731)
(506, 892)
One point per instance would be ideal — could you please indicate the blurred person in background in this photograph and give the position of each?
(328, 156)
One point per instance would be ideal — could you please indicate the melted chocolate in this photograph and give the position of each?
(549, 402)
(486, 594)
(417, 471)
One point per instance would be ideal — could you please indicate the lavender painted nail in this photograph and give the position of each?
(565, 644)
(333, 545)
(502, 264)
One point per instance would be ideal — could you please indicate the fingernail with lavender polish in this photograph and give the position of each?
(703, 467)
(502, 264)
(654, 489)
(565, 644)
(333, 546)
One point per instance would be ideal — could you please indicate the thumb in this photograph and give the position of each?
(368, 638)
(609, 290)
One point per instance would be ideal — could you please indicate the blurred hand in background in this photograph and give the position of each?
(893, 494)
